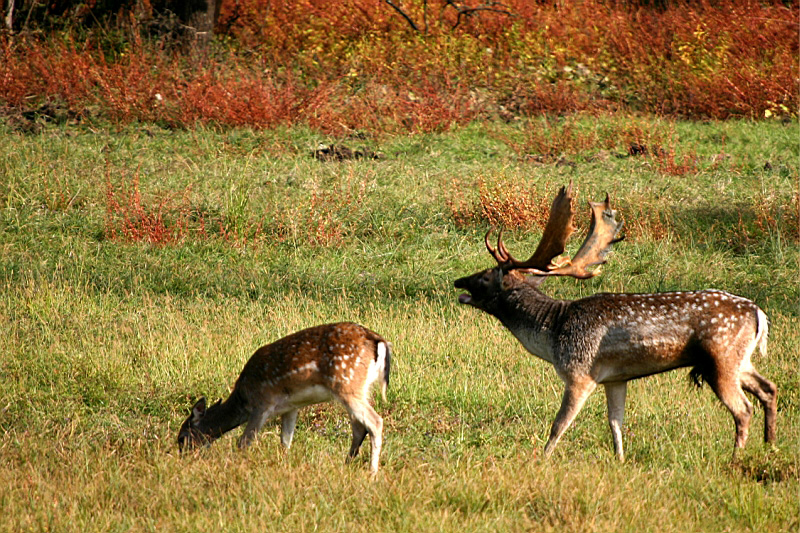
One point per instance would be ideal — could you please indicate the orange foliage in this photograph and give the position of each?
(503, 204)
(356, 65)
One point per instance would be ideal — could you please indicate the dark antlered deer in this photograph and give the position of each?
(614, 338)
(335, 361)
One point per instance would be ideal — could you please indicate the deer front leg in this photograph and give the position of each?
(288, 422)
(254, 425)
(575, 395)
(615, 400)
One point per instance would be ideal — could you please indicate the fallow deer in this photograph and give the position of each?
(610, 339)
(331, 362)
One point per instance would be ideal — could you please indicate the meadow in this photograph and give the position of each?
(141, 266)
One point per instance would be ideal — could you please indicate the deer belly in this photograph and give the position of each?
(309, 395)
(627, 356)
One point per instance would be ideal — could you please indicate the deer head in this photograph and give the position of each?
(484, 287)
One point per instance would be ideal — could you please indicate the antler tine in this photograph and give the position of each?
(500, 254)
(602, 234)
(501, 247)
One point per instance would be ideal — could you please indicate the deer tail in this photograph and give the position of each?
(762, 332)
(383, 354)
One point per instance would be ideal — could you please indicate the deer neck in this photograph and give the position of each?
(224, 416)
(533, 318)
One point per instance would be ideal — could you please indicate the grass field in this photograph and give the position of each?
(140, 268)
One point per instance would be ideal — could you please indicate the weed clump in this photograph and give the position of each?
(129, 219)
(501, 204)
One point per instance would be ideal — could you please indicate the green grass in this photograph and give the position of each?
(107, 342)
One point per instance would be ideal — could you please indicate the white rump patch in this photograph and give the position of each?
(375, 369)
(762, 332)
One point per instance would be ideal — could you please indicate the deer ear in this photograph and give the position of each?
(199, 410)
(510, 279)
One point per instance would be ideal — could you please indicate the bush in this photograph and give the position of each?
(357, 66)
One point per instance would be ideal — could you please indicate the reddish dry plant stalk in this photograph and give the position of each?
(171, 220)
(667, 162)
(646, 219)
(514, 207)
(547, 142)
(502, 205)
(327, 218)
(128, 219)
(509, 206)
(771, 215)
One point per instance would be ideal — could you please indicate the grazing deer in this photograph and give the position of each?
(614, 338)
(335, 361)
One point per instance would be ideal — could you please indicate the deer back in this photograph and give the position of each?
(345, 358)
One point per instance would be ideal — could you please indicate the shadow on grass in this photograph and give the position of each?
(771, 466)
(739, 229)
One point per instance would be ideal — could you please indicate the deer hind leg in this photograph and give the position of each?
(362, 414)
(288, 423)
(575, 396)
(729, 391)
(615, 400)
(359, 433)
(767, 394)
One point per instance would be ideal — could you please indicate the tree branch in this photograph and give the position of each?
(402, 14)
(462, 11)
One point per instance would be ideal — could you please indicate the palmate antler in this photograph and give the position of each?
(602, 234)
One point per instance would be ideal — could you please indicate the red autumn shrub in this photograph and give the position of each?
(359, 65)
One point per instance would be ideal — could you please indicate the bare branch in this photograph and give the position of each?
(466, 11)
(403, 14)
(9, 18)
